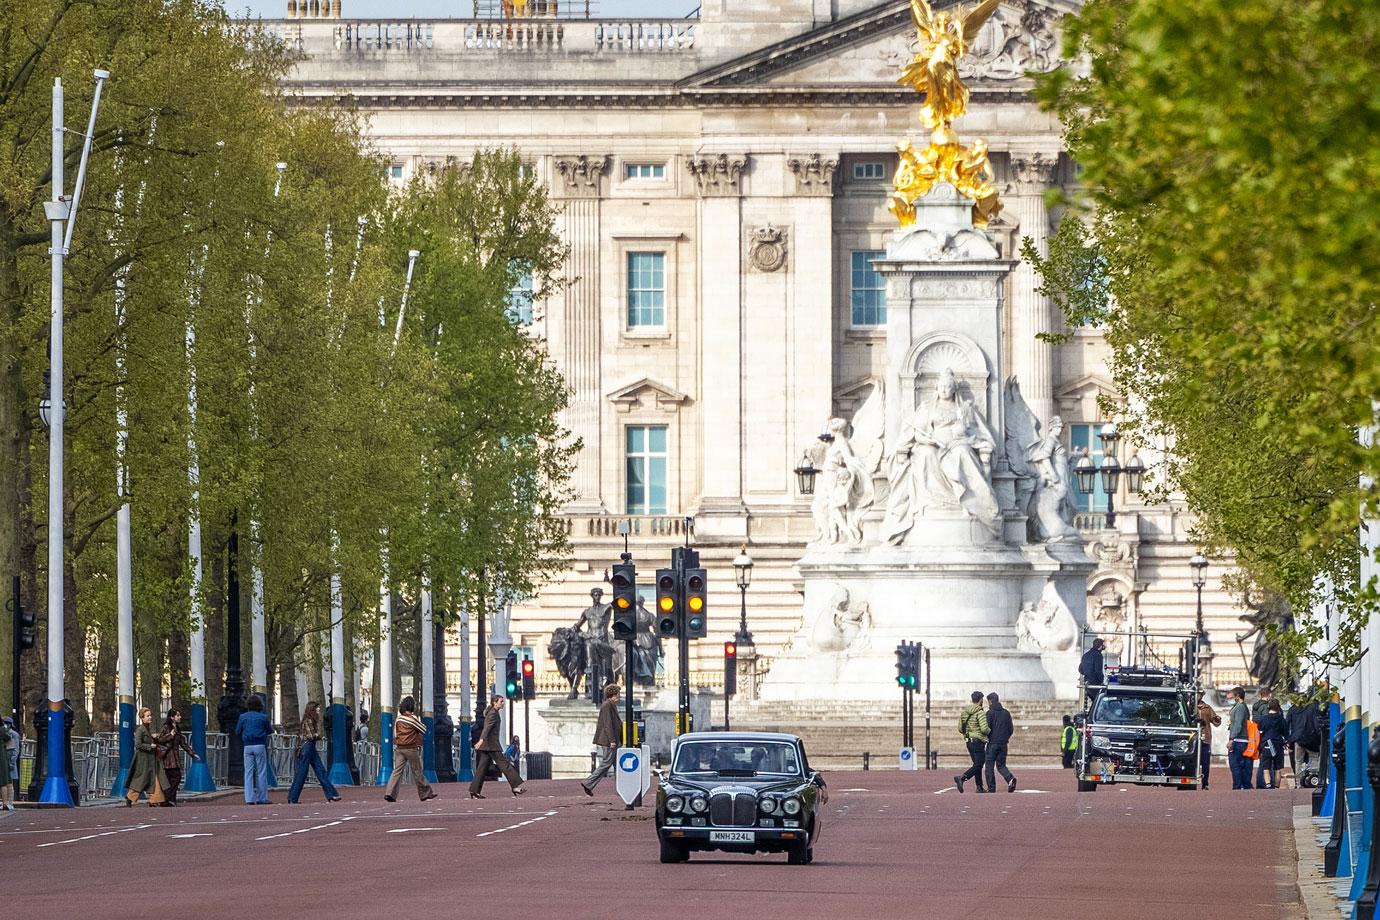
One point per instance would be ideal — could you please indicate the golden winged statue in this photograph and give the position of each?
(943, 38)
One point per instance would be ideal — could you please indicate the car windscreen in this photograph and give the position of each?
(737, 758)
(1139, 710)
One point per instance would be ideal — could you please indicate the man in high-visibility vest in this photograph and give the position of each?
(1068, 742)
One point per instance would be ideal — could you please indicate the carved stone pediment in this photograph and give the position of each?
(717, 175)
(647, 394)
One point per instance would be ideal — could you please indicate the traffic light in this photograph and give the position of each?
(730, 669)
(512, 685)
(624, 601)
(529, 679)
(667, 602)
(902, 665)
(25, 628)
(908, 665)
(696, 624)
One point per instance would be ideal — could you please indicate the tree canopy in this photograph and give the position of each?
(1225, 237)
(274, 293)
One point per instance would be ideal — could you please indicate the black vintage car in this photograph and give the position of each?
(741, 792)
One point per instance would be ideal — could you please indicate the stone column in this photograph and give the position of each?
(1032, 313)
(576, 342)
(718, 182)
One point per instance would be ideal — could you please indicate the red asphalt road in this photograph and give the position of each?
(891, 848)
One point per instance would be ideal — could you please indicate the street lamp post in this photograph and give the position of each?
(60, 212)
(1203, 645)
(747, 650)
(1087, 469)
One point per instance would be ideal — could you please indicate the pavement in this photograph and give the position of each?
(895, 845)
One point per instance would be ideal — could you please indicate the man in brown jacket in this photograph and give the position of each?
(489, 751)
(608, 734)
(1207, 717)
(408, 732)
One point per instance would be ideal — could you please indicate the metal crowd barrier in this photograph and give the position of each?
(367, 759)
(217, 757)
(280, 759)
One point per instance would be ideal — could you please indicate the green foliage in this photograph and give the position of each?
(313, 433)
(1228, 245)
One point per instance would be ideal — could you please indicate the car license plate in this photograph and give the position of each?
(731, 837)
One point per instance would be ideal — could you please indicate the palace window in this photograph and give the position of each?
(395, 172)
(520, 299)
(644, 170)
(873, 169)
(646, 289)
(1081, 436)
(646, 469)
(867, 289)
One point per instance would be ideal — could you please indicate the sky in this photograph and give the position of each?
(434, 9)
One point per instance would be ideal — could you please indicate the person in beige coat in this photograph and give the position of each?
(608, 734)
(408, 733)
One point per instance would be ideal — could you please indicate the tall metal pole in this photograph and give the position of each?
(340, 728)
(428, 685)
(465, 768)
(385, 666)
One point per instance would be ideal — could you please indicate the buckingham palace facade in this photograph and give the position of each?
(722, 184)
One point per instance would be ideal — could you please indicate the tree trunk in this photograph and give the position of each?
(179, 671)
(103, 703)
(215, 629)
(14, 437)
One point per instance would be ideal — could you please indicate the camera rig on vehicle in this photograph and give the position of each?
(1140, 723)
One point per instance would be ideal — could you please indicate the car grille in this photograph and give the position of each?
(729, 810)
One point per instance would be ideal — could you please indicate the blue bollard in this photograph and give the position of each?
(1334, 725)
(429, 749)
(385, 747)
(126, 745)
(199, 771)
(340, 733)
(1363, 842)
(55, 790)
(465, 768)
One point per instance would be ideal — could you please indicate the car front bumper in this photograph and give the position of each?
(763, 838)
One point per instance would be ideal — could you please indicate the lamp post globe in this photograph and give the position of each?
(805, 475)
(1086, 472)
(1135, 474)
(742, 576)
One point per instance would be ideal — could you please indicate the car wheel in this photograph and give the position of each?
(799, 854)
(1085, 786)
(673, 852)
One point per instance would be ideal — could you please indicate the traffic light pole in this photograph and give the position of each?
(927, 709)
(17, 647)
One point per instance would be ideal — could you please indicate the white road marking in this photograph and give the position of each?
(58, 843)
(303, 830)
(1032, 792)
(944, 790)
(413, 830)
(187, 836)
(513, 827)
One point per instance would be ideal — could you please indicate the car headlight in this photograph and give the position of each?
(767, 806)
(1101, 741)
(699, 803)
(1183, 746)
(675, 804)
(791, 806)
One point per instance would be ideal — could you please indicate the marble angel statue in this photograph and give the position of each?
(942, 460)
(845, 491)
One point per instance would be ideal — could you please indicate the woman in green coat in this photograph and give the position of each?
(146, 772)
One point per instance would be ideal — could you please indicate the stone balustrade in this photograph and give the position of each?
(318, 38)
(642, 526)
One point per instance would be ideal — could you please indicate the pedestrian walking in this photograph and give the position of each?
(10, 751)
(1272, 728)
(146, 770)
(972, 725)
(1092, 670)
(1258, 710)
(1068, 742)
(1237, 739)
(490, 752)
(253, 729)
(999, 732)
(1207, 717)
(608, 734)
(408, 734)
(171, 744)
(308, 756)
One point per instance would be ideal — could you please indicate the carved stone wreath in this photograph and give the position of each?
(767, 248)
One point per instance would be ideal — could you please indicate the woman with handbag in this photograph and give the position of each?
(171, 744)
(146, 772)
(308, 756)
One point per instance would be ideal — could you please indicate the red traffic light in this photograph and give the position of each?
(730, 650)
(528, 667)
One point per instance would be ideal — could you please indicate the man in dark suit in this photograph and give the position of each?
(489, 750)
(1091, 668)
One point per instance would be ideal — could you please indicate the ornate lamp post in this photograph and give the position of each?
(747, 651)
(1086, 470)
(1199, 564)
(805, 475)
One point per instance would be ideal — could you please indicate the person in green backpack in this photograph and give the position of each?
(972, 725)
(1068, 742)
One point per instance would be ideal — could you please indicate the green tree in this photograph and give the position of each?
(1226, 243)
